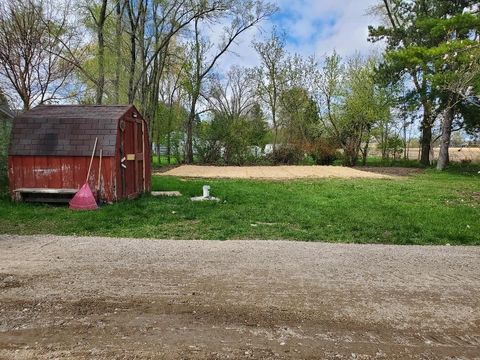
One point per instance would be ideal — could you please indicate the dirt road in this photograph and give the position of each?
(98, 298)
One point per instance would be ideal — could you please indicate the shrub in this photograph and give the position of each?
(286, 155)
(324, 152)
(393, 146)
(208, 152)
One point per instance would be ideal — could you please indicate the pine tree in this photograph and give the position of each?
(430, 43)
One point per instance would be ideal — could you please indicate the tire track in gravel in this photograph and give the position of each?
(100, 298)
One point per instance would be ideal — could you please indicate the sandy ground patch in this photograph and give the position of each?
(100, 298)
(271, 172)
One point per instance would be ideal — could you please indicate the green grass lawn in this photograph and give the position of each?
(163, 161)
(430, 208)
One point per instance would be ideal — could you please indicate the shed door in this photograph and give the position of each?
(134, 147)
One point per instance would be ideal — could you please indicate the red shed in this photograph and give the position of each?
(51, 146)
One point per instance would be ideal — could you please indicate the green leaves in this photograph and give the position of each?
(433, 45)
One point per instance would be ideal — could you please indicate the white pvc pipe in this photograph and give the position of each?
(206, 191)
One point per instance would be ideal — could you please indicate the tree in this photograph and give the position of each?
(366, 105)
(126, 44)
(460, 73)
(352, 103)
(99, 14)
(241, 16)
(119, 27)
(170, 119)
(32, 38)
(299, 111)
(270, 75)
(168, 129)
(238, 122)
(100, 60)
(330, 93)
(300, 118)
(471, 115)
(258, 126)
(413, 41)
(391, 146)
(233, 95)
(5, 126)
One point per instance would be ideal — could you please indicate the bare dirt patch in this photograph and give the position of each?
(99, 298)
(469, 198)
(272, 172)
(392, 171)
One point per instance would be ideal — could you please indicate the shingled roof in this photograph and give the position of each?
(66, 130)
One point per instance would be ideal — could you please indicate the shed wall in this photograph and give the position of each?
(62, 172)
(35, 169)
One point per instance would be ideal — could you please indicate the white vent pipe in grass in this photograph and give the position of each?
(206, 191)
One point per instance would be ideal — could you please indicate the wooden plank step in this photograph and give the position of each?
(46, 191)
(59, 200)
(44, 195)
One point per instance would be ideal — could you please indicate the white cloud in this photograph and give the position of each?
(313, 27)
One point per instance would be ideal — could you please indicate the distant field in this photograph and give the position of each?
(456, 154)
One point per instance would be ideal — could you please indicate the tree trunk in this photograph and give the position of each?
(101, 54)
(384, 145)
(350, 155)
(133, 59)
(426, 145)
(274, 121)
(169, 132)
(169, 146)
(190, 122)
(197, 82)
(445, 139)
(349, 159)
(426, 139)
(118, 54)
(365, 151)
(101, 68)
(142, 96)
(26, 103)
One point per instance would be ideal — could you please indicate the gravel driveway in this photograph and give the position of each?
(101, 298)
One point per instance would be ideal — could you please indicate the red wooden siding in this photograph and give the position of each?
(67, 172)
(64, 164)
(131, 179)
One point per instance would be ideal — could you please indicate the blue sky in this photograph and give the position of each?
(311, 30)
(313, 27)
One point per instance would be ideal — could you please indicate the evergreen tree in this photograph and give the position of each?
(421, 34)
